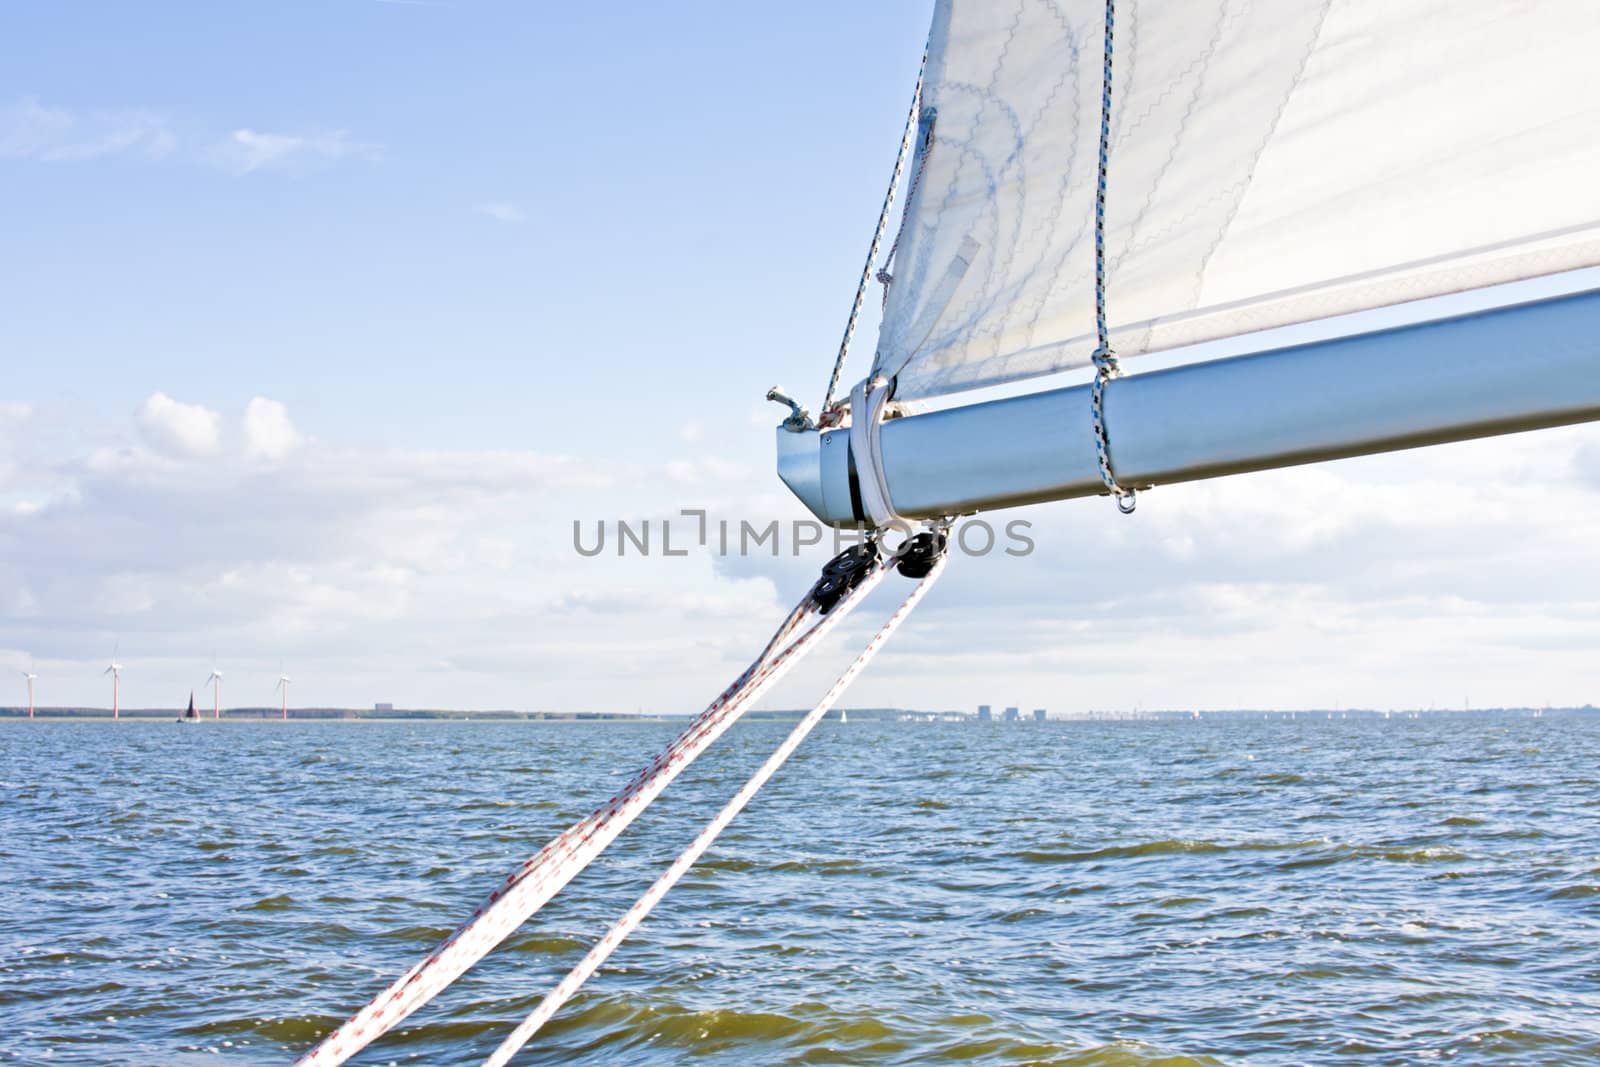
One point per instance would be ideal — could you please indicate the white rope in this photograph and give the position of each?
(691, 855)
(542, 877)
(867, 401)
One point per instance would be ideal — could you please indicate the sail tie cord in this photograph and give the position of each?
(1106, 366)
(636, 915)
(906, 139)
(541, 877)
(867, 401)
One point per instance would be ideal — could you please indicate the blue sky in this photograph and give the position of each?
(638, 162)
(320, 323)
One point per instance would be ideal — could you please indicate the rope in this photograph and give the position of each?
(867, 402)
(540, 878)
(680, 866)
(877, 239)
(1106, 365)
(924, 150)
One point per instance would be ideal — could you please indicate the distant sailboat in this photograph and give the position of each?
(191, 715)
(844, 716)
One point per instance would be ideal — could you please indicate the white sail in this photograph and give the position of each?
(1271, 161)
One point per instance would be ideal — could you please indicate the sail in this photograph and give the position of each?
(1270, 163)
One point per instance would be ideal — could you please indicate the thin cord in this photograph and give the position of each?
(1105, 358)
(877, 240)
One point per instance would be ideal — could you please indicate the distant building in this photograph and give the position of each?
(1012, 715)
(984, 714)
(1038, 715)
(381, 708)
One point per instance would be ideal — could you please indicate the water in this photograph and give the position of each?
(1219, 892)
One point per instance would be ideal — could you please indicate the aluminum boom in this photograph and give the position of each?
(1522, 367)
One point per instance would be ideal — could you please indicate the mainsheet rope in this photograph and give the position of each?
(635, 915)
(540, 878)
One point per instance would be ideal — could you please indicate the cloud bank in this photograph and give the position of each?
(32, 130)
(449, 578)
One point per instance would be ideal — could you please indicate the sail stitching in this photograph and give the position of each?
(1106, 365)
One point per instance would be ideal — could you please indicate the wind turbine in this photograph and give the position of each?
(115, 670)
(30, 676)
(216, 694)
(283, 684)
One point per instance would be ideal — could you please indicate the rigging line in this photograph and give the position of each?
(691, 855)
(540, 878)
(919, 167)
(543, 876)
(1106, 365)
(867, 402)
(877, 239)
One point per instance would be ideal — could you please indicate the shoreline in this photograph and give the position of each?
(859, 715)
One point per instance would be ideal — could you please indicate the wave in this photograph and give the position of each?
(1164, 847)
(811, 1032)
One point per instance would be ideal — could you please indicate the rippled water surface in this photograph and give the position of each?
(1138, 893)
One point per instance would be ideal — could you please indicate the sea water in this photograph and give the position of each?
(1100, 893)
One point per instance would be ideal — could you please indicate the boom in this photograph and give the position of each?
(1522, 367)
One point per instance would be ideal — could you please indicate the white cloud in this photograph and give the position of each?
(30, 130)
(179, 429)
(247, 150)
(707, 471)
(14, 411)
(502, 212)
(442, 578)
(268, 432)
(1392, 581)
(427, 577)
